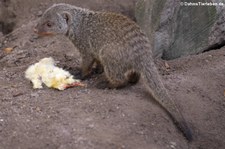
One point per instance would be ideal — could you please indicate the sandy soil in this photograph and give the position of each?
(90, 118)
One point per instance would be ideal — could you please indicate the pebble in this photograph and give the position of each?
(173, 145)
(39, 13)
(33, 38)
(34, 95)
(91, 126)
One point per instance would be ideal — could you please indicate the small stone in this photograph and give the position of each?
(140, 132)
(39, 13)
(173, 145)
(91, 126)
(167, 65)
(38, 109)
(34, 95)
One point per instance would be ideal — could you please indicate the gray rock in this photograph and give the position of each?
(177, 30)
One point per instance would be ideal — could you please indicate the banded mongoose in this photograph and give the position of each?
(115, 42)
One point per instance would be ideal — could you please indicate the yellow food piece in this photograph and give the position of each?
(46, 72)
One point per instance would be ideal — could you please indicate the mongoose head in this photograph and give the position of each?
(55, 20)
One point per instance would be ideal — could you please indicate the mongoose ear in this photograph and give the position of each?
(67, 16)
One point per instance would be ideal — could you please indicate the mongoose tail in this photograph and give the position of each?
(159, 93)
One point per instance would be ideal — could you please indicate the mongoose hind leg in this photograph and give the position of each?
(133, 77)
(112, 80)
(117, 70)
(115, 78)
(119, 80)
(118, 77)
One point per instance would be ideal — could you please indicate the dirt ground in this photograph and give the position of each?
(90, 118)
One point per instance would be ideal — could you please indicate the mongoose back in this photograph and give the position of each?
(115, 42)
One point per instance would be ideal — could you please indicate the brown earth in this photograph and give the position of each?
(90, 118)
